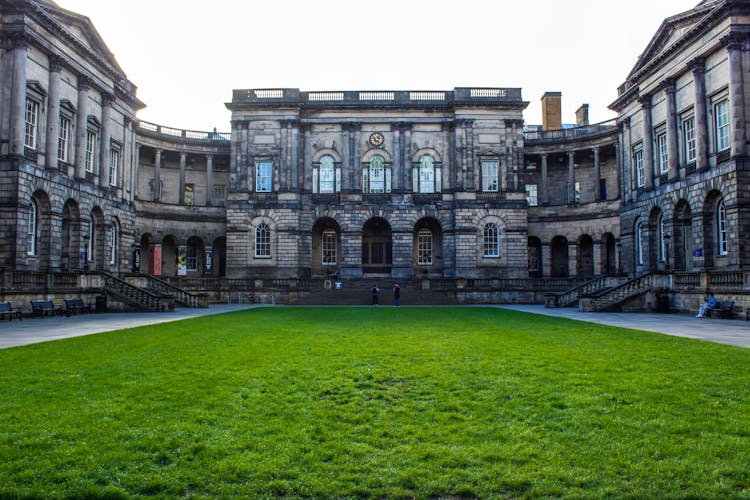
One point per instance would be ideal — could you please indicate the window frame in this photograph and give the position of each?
(424, 247)
(639, 168)
(639, 243)
(264, 176)
(689, 140)
(328, 247)
(32, 116)
(92, 139)
(662, 150)
(191, 257)
(722, 129)
(532, 195)
(722, 239)
(263, 241)
(490, 182)
(491, 240)
(115, 156)
(113, 242)
(220, 193)
(64, 138)
(32, 227)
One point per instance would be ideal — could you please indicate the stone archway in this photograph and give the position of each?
(377, 247)
(326, 247)
(559, 257)
(70, 253)
(585, 257)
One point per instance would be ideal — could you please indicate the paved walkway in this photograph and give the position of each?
(33, 330)
(723, 331)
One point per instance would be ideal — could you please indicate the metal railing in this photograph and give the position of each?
(162, 287)
(191, 135)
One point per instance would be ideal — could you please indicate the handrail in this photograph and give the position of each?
(132, 294)
(630, 288)
(567, 297)
(161, 286)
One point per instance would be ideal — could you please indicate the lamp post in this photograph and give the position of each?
(666, 249)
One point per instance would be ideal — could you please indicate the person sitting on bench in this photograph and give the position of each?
(710, 304)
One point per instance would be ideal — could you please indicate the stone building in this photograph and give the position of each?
(447, 186)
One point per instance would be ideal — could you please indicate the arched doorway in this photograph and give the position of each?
(219, 259)
(147, 263)
(326, 247)
(70, 237)
(427, 247)
(559, 257)
(609, 260)
(194, 256)
(683, 236)
(377, 257)
(535, 257)
(169, 256)
(585, 256)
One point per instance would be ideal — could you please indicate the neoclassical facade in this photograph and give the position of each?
(402, 184)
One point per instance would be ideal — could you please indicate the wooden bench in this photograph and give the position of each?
(45, 308)
(75, 306)
(722, 310)
(7, 310)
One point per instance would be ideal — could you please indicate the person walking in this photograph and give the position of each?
(375, 292)
(396, 295)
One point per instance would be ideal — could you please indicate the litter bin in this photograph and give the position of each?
(101, 303)
(662, 304)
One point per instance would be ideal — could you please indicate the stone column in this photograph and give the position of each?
(471, 168)
(546, 260)
(400, 169)
(53, 111)
(446, 164)
(543, 179)
(648, 142)
(701, 116)
(599, 261)
(573, 259)
(107, 100)
(183, 161)
(597, 175)
(136, 170)
(673, 155)
(346, 157)
(407, 181)
(82, 127)
(734, 43)
(209, 179)
(571, 178)
(307, 161)
(157, 176)
(18, 97)
(295, 156)
(357, 171)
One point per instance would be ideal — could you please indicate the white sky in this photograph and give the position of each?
(186, 56)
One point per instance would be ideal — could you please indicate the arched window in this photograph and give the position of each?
(639, 243)
(326, 177)
(491, 240)
(114, 241)
(376, 178)
(662, 241)
(263, 241)
(424, 247)
(328, 247)
(721, 228)
(426, 177)
(32, 227)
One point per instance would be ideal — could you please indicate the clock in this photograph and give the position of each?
(376, 139)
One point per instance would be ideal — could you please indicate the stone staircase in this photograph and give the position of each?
(163, 288)
(628, 290)
(358, 292)
(134, 296)
(596, 286)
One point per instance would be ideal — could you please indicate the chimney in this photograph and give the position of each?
(551, 111)
(582, 116)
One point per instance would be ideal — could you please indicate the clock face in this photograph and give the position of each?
(377, 139)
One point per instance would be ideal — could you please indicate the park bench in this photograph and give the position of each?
(7, 310)
(75, 306)
(45, 308)
(722, 310)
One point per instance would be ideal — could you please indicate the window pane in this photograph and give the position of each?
(263, 241)
(721, 224)
(32, 122)
(327, 175)
(491, 240)
(424, 247)
(688, 128)
(329, 248)
(263, 177)
(722, 126)
(489, 175)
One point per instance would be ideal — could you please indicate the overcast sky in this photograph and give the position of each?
(186, 56)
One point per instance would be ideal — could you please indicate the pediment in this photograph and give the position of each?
(672, 31)
(79, 28)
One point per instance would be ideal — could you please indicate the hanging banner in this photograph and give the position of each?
(181, 260)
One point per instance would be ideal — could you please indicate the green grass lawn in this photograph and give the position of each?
(376, 402)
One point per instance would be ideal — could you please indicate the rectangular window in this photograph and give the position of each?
(377, 179)
(639, 243)
(191, 258)
(220, 193)
(114, 166)
(90, 151)
(329, 248)
(32, 124)
(489, 175)
(424, 248)
(263, 176)
(721, 112)
(577, 192)
(327, 179)
(63, 141)
(640, 173)
(688, 136)
(189, 198)
(531, 195)
(156, 195)
(661, 152)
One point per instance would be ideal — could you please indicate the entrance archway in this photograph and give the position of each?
(609, 261)
(326, 247)
(585, 256)
(377, 244)
(683, 236)
(559, 257)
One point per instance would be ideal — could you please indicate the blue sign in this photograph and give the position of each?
(698, 252)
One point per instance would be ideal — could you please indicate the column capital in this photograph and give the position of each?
(734, 40)
(19, 40)
(697, 65)
(84, 83)
(668, 85)
(108, 99)
(447, 126)
(645, 100)
(56, 63)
